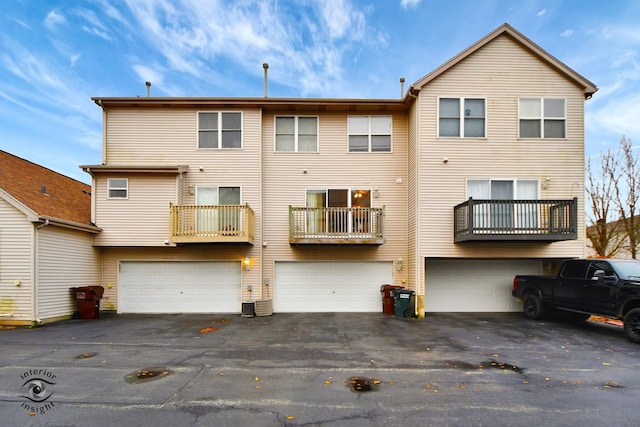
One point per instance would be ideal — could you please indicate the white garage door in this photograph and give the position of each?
(179, 287)
(317, 287)
(474, 285)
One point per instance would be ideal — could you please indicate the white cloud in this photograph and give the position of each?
(73, 59)
(54, 19)
(147, 74)
(304, 45)
(567, 33)
(619, 115)
(406, 4)
(93, 25)
(542, 12)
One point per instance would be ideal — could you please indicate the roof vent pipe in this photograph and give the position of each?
(266, 67)
(401, 87)
(148, 84)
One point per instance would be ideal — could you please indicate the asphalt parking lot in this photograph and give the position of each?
(318, 370)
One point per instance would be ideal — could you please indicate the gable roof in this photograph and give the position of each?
(505, 29)
(43, 192)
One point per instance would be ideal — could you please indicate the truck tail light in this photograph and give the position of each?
(515, 283)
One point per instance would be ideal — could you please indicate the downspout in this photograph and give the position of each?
(262, 245)
(35, 273)
(419, 266)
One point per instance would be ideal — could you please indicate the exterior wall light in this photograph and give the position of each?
(247, 264)
(399, 264)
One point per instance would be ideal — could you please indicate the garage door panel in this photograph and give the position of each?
(473, 285)
(179, 287)
(326, 287)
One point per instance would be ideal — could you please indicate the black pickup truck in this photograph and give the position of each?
(582, 287)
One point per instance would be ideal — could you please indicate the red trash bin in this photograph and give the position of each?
(387, 297)
(88, 301)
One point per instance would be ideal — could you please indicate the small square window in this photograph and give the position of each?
(118, 188)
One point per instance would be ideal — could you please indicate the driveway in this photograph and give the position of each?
(318, 370)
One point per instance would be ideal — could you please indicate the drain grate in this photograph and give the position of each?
(146, 375)
(361, 384)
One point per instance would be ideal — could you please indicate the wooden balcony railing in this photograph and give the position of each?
(516, 220)
(212, 224)
(336, 225)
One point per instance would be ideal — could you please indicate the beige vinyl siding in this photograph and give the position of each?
(285, 183)
(501, 72)
(66, 259)
(111, 257)
(143, 218)
(168, 137)
(15, 264)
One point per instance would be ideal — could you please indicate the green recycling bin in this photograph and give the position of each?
(403, 303)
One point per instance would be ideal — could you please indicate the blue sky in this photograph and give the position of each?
(56, 54)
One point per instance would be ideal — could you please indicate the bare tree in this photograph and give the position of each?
(623, 169)
(605, 233)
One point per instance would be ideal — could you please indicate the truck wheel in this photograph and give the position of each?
(632, 325)
(532, 307)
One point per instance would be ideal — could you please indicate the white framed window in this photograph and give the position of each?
(525, 215)
(219, 213)
(118, 188)
(219, 129)
(296, 133)
(369, 134)
(542, 117)
(462, 117)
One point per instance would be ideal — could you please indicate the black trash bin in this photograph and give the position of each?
(88, 301)
(403, 303)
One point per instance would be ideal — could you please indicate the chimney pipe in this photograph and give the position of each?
(266, 67)
(401, 87)
(148, 88)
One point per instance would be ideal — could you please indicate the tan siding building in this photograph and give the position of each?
(46, 242)
(311, 205)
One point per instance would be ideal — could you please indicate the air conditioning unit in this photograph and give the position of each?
(248, 309)
(264, 307)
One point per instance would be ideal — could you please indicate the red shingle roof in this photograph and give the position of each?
(44, 191)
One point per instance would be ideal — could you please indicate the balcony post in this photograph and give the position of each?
(470, 225)
(574, 215)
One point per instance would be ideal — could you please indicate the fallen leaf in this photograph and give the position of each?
(606, 363)
(257, 379)
(258, 387)
(291, 417)
(327, 382)
(462, 386)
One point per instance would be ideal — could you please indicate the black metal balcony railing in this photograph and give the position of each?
(212, 224)
(336, 225)
(516, 220)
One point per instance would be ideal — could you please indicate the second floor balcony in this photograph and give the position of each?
(336, 226)
(212, 224)
(516, 220)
